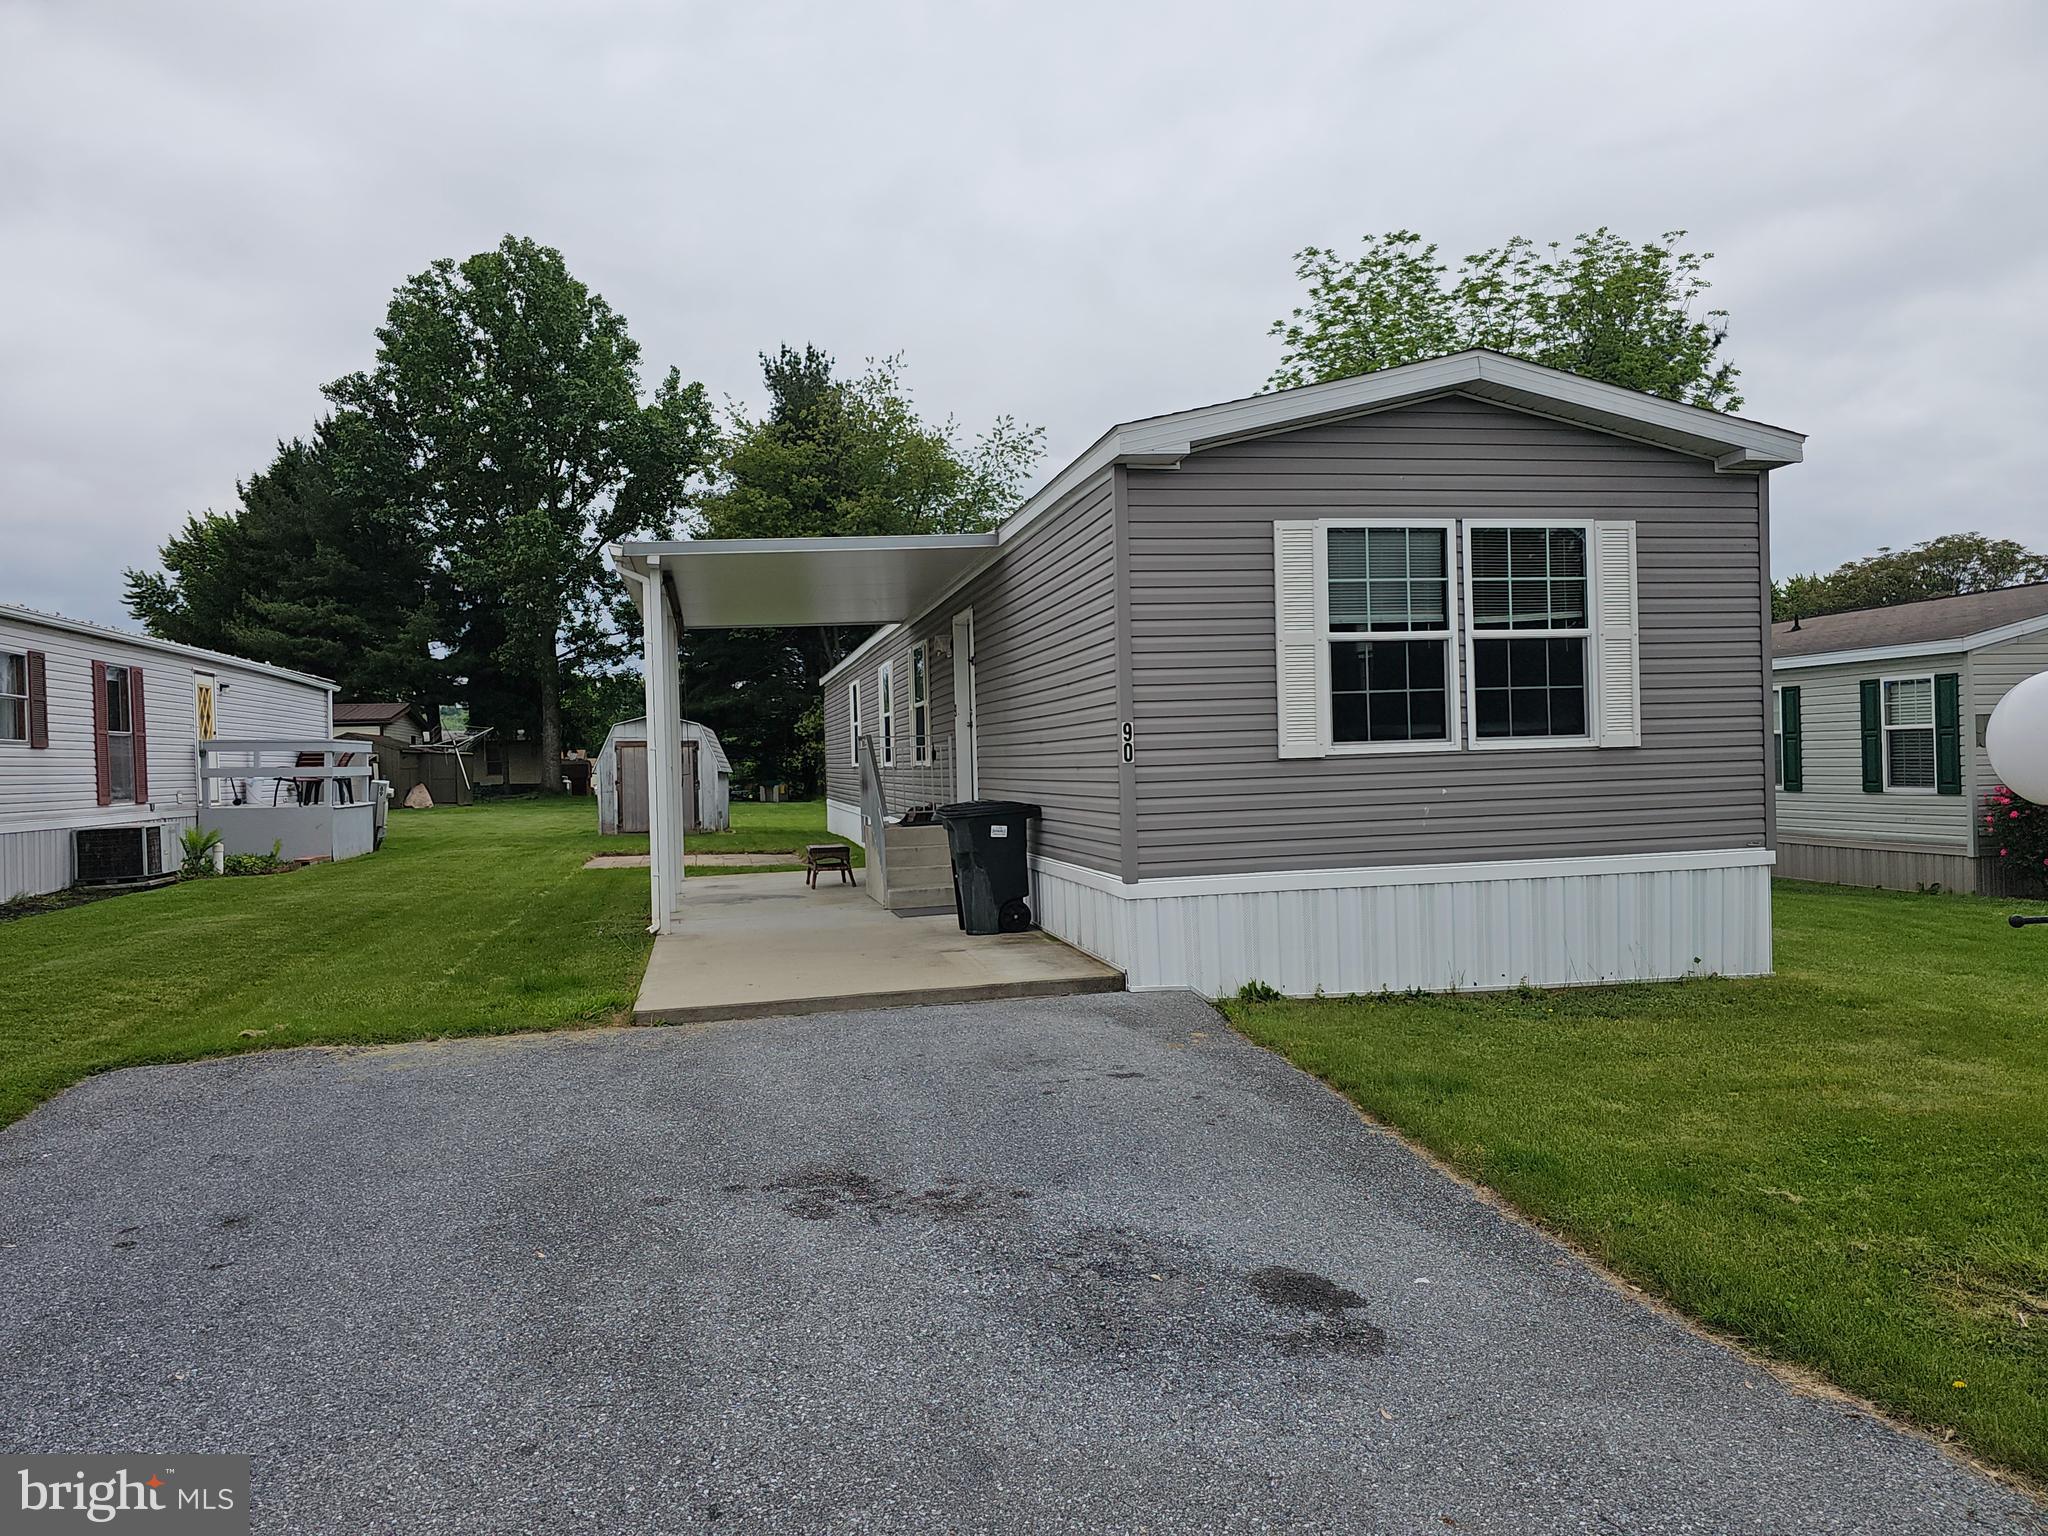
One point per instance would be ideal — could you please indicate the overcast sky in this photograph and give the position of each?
(1074, 214)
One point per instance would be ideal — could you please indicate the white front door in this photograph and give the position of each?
(963, 703)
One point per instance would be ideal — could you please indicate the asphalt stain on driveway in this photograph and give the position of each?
(1333, 1330)
(818, 1193)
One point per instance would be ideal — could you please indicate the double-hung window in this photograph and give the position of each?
(920, 703)
(887, 687)
(120, 734)
(13, 696)
(1529, 630)
(1909, 734)
(853, 715)
(1389, 627)
(1778, 737)
(1422, 634)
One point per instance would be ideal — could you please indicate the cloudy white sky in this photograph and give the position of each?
(1071, 213)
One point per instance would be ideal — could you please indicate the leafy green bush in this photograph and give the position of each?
(198, 844)
(259, 863)
(1259, 992)
(2018, 829)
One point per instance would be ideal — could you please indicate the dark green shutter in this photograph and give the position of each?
(1873, 738)
(1948, 734)
(1795, 765)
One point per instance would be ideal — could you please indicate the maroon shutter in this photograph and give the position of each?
(103, 770)
(138, 735)
(38, 701)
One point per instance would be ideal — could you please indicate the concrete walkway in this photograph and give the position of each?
(1094, 1264)
(757, 945)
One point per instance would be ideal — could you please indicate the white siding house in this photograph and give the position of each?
(100, 729)
(1880, 717)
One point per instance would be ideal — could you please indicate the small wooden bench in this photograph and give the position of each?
(827, 856)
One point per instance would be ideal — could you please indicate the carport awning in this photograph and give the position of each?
(744, 583)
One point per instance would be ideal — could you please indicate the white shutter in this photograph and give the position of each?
(1617, 658)
(1298, 657)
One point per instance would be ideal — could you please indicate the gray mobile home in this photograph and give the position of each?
(1451, 675)
(100, 737)
(1879, 718)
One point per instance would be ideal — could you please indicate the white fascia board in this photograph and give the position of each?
(1405, 874)
(34, 618)
(2016, 630)
(1735, 444)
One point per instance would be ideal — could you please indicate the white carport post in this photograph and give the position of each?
(664, 752)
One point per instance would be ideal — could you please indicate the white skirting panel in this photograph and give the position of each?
(842, 820)
(1456, 927)
(35, 862)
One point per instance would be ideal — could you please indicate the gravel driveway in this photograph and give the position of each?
(1086, 1264)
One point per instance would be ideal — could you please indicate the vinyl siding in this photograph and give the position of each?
(1214, 797)
(45, 793)
(1994, 671)
(1045, 685)
(1833, 807)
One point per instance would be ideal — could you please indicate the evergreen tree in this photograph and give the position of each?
(319, 569)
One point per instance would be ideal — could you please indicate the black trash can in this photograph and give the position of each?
(991, 870)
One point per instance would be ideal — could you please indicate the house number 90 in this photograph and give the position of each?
(1130, 752)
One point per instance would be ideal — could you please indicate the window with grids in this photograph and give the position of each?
(1388, 622)
(1909, 733)
(13, 696)
(1778, 737)
(1528, 630)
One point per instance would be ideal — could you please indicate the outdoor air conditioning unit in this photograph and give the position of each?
(118, 855)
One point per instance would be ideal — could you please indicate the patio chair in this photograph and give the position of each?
(305, 791)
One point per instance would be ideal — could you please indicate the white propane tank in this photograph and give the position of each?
(2017, 739)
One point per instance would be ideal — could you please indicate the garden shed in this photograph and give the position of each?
(622, 779)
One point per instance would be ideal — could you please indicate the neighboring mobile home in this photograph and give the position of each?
(1451, 675)
(100, 734)
(1880, 717)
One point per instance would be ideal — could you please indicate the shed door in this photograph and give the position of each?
(632, 786)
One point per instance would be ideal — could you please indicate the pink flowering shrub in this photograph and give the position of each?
(2017, 831)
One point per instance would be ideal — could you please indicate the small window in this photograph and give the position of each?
(1909, 733)
(13, 696)
(1528, 629)
(1387, 623)
(888, 688)
(120, 735)
(1778, 737)
(920, 703)
(853, 714)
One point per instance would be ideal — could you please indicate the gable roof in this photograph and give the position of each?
(57, 621)
(1736, 444)
(1936, 623)
(362, 713)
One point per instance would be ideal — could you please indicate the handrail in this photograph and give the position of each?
(288, 771)
(282, 744)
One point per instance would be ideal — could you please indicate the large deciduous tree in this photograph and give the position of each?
(511, 394)
(1603, 307)
(1948, 566)
(829, 457)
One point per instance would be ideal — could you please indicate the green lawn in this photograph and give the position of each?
(756, 828)
(469, 920)
(1846, 1165)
